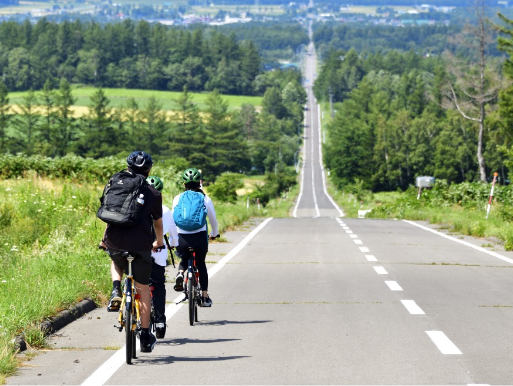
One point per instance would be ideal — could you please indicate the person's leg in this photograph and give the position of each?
(182, 251)
(141, 268)
(157, 281)
(116, 273)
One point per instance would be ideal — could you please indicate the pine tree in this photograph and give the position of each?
(26, 123)
(186, 138)
(66, 125)
(225, 148)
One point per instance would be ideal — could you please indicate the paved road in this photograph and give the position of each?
(313, 200)
(317, 299)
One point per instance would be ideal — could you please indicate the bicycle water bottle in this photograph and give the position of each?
(140, 199)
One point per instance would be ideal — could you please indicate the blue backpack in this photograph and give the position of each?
(190, 213)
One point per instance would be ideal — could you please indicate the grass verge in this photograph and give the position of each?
(469, 220)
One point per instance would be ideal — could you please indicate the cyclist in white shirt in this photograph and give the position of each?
(158, 272)
(198, 239)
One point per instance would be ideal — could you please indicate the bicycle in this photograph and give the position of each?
(192, 286)
(129, 312)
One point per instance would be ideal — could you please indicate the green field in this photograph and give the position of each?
(119, 96)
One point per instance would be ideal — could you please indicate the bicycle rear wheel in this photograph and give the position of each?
(197, 299)
(192, 300)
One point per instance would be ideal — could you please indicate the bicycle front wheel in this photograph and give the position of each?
(192, 300)
(129, 334)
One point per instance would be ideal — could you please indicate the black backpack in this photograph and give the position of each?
(119, 202)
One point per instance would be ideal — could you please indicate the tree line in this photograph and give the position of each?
(127, 54)
(401, 115)
(214, 140)
(371, 39)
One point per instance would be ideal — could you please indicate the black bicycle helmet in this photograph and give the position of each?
(139, 161)
(155, 182)
(191, 175)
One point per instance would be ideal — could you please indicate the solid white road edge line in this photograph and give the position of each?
(322, 165)
(313, 167)
(443, 343)
(480, 249)
(105, 371)
(412, 307)
(294, 214)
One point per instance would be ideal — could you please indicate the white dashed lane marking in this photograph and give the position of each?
(371, 258)
(443, 343)
(393, 285)
(380, 270)
(358, 241)
(364, 249)
(412, 307)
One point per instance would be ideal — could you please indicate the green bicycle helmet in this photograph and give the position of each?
(155, 182)
(191, 175)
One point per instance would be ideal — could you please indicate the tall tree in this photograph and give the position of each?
(186, 136)
(66, 124)
(26, 122)
(225, 148)
(155, 126)
(47, 102)
(475, 82)
(99, 138)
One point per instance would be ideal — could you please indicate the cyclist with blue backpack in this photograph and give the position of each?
(190, 211)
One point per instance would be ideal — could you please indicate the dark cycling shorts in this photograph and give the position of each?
(141, 266)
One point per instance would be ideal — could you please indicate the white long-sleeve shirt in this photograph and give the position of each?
(169, 228)
(211, 214)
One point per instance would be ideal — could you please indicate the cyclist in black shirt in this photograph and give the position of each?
(138, 240)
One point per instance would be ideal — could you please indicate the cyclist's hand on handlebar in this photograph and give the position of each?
(102, 246)
(214, 237)
(158, 248)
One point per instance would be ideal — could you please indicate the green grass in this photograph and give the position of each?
(119, 96)
(457, 219)
(48, 252)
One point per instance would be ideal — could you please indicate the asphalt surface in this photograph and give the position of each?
(316, 299)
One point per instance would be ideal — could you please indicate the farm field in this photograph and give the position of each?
(119, 97)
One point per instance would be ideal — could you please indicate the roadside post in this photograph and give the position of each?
(424, 182)
(491, 194)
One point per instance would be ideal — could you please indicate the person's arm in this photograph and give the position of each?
(159, 232)
(173, 233)
(158, 225)
(211, 213)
